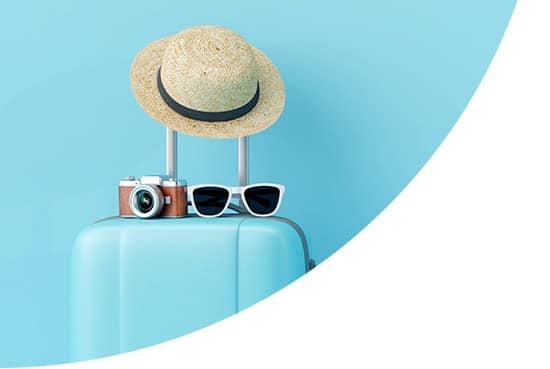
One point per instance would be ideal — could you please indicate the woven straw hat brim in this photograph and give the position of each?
(143, 78)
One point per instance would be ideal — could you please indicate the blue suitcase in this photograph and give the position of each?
(139, 282)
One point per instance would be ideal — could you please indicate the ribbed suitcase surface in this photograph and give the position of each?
(139, 282)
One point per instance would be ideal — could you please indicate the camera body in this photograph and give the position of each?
(151, 197)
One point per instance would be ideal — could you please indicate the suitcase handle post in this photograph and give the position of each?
(243, 164)
(243, 161)
(171, 153)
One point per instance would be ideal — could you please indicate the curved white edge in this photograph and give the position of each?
(455, 273)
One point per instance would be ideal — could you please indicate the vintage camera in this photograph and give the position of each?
(152, 196)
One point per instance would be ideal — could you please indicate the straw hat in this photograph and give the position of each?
(208, 81)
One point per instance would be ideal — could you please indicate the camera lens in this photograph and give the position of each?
(145, 201)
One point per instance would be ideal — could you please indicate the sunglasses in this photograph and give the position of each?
(261, 200)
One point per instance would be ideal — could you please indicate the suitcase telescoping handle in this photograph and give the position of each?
(172, 157)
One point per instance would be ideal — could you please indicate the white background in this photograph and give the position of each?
(455, 273)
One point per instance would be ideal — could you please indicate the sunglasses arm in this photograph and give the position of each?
(239, 209)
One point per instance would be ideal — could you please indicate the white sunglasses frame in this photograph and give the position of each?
(236, 192)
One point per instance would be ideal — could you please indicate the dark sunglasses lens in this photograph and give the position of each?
(210, 200)
(262, 200)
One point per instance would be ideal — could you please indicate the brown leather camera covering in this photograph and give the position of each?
(176, 208)
(124, 201)
(178, 202)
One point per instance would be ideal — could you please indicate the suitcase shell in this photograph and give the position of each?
(138, 282)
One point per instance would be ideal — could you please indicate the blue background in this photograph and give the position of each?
(372, 89)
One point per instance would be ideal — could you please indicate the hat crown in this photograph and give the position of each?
(209, 68)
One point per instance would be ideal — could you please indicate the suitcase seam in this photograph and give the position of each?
(237, 266)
